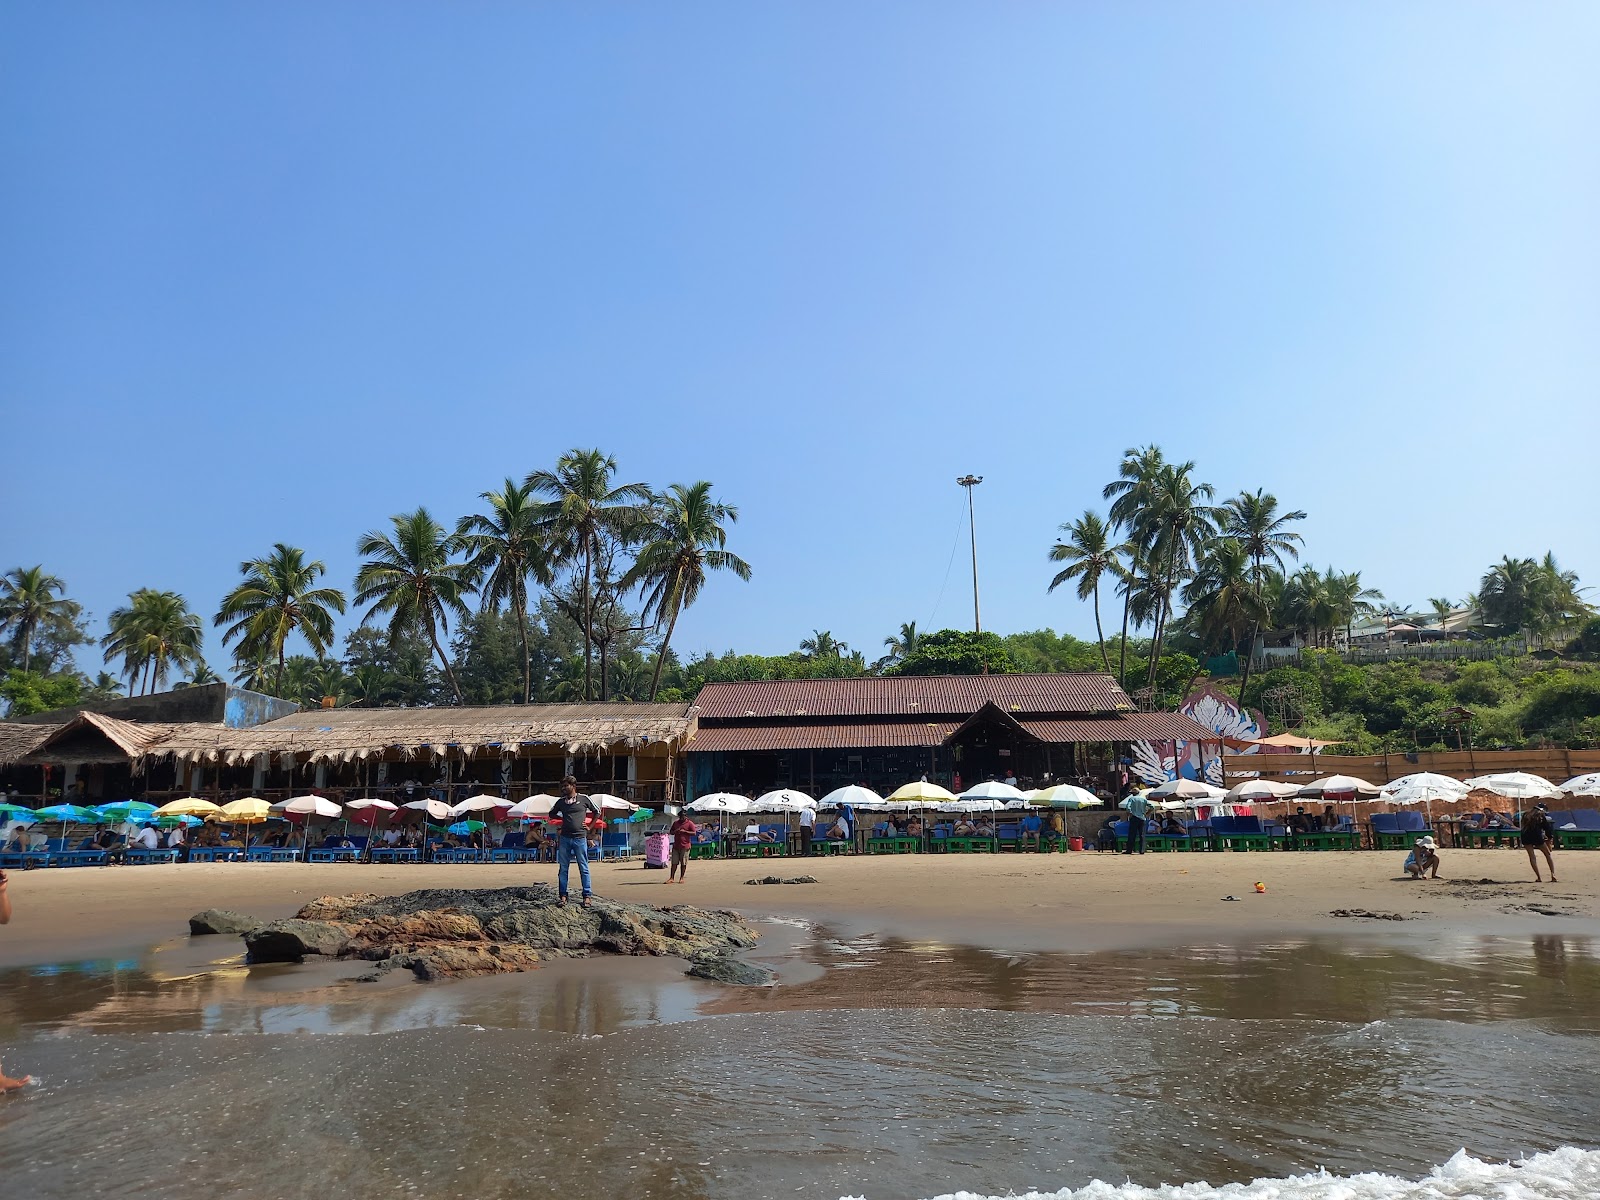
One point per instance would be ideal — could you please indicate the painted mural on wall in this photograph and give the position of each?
(1157, 762)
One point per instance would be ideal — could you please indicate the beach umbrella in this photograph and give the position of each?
(920, 794)
(1066, 795)
(719, 802)
(248, 811)
(977, 804)
(462, 828)
(1338, 787)
(190, 807)
(1516, 785)
(854, 795)
(531, 808)
(480, 803)
(1423, 787)
(68, 814)
(1260, 791)
(306, 807)
(14, 810)
(1186, 789)
(124, 810)
(993, 790)
(1583, 785)
(604, 801)
(782, 800)
(437, 809)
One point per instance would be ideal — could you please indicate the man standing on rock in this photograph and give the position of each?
(683, 831)
(572, 810)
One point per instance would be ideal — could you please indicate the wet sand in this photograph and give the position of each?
(1072, 902)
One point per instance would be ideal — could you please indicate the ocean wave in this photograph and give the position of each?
(1565, 1174)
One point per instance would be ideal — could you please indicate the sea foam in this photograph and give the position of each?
(1565, 1174)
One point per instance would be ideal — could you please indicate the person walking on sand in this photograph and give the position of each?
(572, 811)
(1539, 834)
(683, 831)
(7, 1084)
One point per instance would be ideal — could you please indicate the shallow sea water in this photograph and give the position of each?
(877, 1068)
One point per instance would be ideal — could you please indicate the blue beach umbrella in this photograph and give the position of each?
(462, 828)
(125, 810)
(15, 810)
(68, 814)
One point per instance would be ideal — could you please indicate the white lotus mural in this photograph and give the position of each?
(1157, 762)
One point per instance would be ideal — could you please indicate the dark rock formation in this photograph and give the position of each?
(780, 879)
(222, 920)
(448, 933)
(731, 970)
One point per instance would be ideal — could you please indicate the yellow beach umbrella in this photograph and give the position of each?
(249, 811)
(920, 793)
(191, 807)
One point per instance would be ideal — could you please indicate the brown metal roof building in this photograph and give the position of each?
(818, 734)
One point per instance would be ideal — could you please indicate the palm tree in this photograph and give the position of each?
(1089, 555)
(584, 509)
(28, 599)
(369, 685)
(1506, 594)
(410, 576)
(1176, 521)
(505, 549)
(254, 671)
(277, 599)
(1224, 602)
(153, 633)
(1253, 520)
(200, 673)
(684, 540)
(903, 644)
(1442, 609)
(1136, 475)
(822, 644)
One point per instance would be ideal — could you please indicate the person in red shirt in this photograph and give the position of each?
(683, 831)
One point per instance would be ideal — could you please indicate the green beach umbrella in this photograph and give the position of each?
(14, 810)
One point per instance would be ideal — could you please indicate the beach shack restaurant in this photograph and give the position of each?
(958, 730)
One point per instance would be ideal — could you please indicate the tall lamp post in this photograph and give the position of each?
(969, 482)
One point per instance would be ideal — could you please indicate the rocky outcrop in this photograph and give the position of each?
(731, 970)
(222, 920)
(451, 933)
(780, 879)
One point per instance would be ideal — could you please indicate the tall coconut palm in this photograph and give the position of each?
(505, 549)
(903, 644)
(584, 508)
(822, 644)
(1136, 476)
(276, 599)
(1224, 602)
(1507, 593)
(153, 633)
(1089, 555)
(29, 599)
(1253, 520)
(1176, 520)
(1443, 609)
(412, 576)
(1350, 599)
(685, 539)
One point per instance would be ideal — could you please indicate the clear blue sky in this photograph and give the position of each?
(277, 271)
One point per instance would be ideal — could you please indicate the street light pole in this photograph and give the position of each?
(969, 482)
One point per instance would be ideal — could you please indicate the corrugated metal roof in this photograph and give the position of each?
(1125, 727)
(827, 736)
(913, 695)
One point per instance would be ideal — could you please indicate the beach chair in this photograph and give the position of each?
(615, 844)
(206, 854)
(268, 854)
(939, 839)
(1398, 831)
(395, 854)
(1239, 833)
(1008, 837)
(141, 858)
(1586, 832)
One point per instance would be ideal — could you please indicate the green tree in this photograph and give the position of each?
(1175, 523)
(686, 538)
(1224, 602)
(29, 601)
(901, 644)
(411, 576)
(153, 633)
(276, 599)
(1130, 495)
(1253, 520)
(28, 692)
(506, 550)
(957, 652)
(1089, 555)
(585, 508)
(1442, 609)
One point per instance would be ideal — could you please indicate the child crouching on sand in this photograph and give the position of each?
(1424, 857)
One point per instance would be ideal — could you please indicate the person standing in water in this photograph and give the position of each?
(7, 1084)
(1538, 834)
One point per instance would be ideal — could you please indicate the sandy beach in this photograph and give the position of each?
(1083, 901)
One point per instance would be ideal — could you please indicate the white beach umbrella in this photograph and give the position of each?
(1186, 789)
(1516, 785)
(1260, 791)
(976, 804)
(720, 802)
(782, 800)
(384, 805)
(606, 802)
(311, 806)
(532, 806)
(1583, 785)
(856, 796)
(992, 790)
(1423, 787)
(1338, 787)
(1065, 795)
(479, 803)
(437, 809)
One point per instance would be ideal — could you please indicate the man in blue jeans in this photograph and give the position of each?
(573, 838)
(1138, 813)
